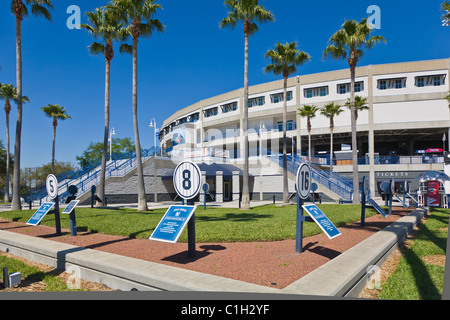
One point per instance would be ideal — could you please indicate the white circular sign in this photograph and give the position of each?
(52, 186)
(187, 179)
(303, 180)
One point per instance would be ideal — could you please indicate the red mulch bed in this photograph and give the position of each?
(273, 264)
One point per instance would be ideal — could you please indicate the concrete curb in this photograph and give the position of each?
(344, 276)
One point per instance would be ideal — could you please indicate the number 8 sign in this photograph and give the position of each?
(304, 180)
(187, 179)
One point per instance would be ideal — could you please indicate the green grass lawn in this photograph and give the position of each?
(265, 223)
(414, 279)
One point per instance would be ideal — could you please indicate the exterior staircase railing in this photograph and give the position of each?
(85, 179)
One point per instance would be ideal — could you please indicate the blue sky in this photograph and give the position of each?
(191, 61)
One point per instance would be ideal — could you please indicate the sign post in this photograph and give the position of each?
(205, 188)
(392, 195)
(51, 185)
(187, 182)
(303, 186)
(70, 209)
(365, 195)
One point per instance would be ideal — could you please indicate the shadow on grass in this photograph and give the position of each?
(234, 217)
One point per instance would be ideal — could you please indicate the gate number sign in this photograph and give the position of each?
(52, 186)
(304, 180)
(187, 179)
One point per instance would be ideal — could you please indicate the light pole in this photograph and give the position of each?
(113, 133)
(153, 125)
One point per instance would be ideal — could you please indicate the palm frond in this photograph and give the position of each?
(126, 48)
(39, 10)
(96, 48)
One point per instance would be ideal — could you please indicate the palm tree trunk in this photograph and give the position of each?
(53, 146)
(356, 199)
(331, 149)
(142, 203)
(309, 140)
(101, 189)
(16, 204)
(285, 178)
(6, 198)
(245, 187)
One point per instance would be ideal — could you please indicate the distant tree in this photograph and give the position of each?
(308, 112)
(56, 112)
(445, 7)
(20, 10)
(104, 26)
(349, 43)
(448, 98)
(3, 166)
(284, 60)
(93, 153)
(249, 12)
(330, 111)
(360, 105)
(137, 15)
(8, 93)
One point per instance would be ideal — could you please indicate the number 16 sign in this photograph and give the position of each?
(304, 181)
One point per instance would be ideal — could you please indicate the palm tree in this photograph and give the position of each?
(8, 93)
(308, 112)
(20, 10)
(330, 111)
(349, 43)
(445, 7)
(285, 59)
(104, 26)
(137, 14)
(247, 11)
(360, 105)
(448, 98)
(57, 113)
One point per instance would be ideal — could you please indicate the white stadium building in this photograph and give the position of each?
(404, 132)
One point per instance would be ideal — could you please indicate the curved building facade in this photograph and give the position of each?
(403, 132)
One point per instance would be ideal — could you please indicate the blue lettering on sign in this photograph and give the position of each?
(172, 224)
(322, 221)
(40, 213)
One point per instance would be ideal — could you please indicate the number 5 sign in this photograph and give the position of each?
(304, 180)
(187, 179)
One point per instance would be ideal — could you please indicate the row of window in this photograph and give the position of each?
(253, 102)
(382, 84)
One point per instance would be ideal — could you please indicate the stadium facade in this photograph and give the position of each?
(404, 132)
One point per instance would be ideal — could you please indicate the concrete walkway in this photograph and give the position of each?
(343, 276)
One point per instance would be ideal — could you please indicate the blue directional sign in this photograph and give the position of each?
(172, 224)
(40, 213)
(322, 221)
